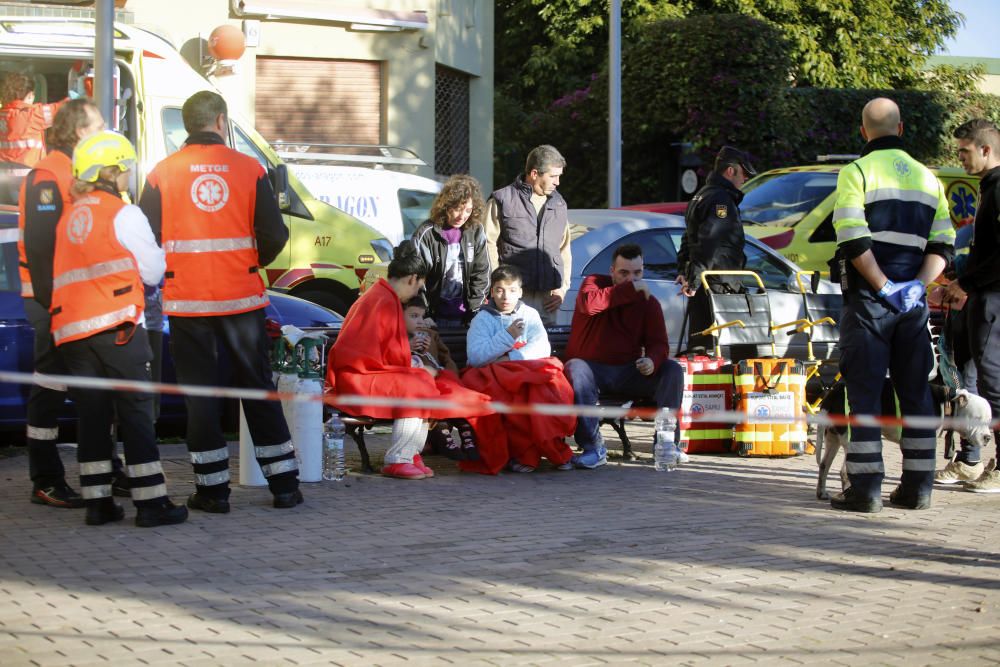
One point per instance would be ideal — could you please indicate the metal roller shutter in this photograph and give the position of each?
(319, 101)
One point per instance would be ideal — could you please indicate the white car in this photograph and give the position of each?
(597, 232)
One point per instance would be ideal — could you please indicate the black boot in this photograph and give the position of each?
(163, 514)
(102, 511)
(288, 499)
(852, 501)
(900, 497)
(196, 501)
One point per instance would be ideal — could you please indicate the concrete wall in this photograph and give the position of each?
(459, 35)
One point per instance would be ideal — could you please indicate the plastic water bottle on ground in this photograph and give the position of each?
(334, 467)
(665, 452)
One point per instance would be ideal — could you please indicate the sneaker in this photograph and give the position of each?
(514, 466)
(403, 471)
(196, 501)
(565, 466)
(909, 501)
(104, 511)
(682, 456)
(988, 483)
(57, 496)
(958, 471)
(851, 501)
(590, 459)
(164, 514)
(418, 461)
(288, 499)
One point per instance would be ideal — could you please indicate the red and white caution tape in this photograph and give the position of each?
(552, 409)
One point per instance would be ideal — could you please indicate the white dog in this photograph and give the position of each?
(831, 439)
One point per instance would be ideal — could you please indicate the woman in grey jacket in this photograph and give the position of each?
(453, 243)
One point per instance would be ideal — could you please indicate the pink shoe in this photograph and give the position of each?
(403, 471)
(418, 461)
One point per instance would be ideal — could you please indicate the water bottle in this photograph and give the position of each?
(665, 449)
(333, 449)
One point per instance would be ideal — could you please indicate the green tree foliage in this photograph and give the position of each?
(548, 47)
(705, 96)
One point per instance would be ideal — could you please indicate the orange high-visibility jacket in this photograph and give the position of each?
(22, 130)
(96, 284)
(208, 194)
(52, 177)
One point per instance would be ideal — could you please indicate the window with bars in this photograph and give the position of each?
(451, 121)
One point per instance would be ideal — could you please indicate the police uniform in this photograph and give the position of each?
(888, 203)
(713, 241)
(215, 212)
(43, 197)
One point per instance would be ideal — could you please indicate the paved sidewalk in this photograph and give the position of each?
(726, 561)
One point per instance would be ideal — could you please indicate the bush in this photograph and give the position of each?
(708, 81)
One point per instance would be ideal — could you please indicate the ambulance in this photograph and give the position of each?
(375, 183)
(791, 209)
(328, 251)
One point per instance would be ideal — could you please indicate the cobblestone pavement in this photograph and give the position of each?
(726, 561)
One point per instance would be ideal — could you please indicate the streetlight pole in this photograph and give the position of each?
(615, 106)
(104, 59)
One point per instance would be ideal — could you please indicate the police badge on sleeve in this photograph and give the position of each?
(721, 211)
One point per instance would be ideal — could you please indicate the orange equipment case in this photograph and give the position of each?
(708, 387)
(771, 393)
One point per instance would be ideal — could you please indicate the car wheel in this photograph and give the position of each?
(327, 299)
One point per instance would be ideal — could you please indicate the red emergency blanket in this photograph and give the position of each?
(526, 438)
(372, 358)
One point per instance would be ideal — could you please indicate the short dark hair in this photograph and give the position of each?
(981, 132)
(416, 302)
(15, 87)
(71, 117)
(543, 158)
(201, 109)
(406, 261)
(505, 273)
(627, 251)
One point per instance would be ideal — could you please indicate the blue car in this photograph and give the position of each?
(17, 335)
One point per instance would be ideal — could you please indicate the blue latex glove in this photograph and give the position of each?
(903, 297)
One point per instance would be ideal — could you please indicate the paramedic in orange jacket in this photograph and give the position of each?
(104, 253)
(22, 121)
(45, 194)
(218, 220)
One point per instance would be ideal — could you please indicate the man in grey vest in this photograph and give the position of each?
(527, 226)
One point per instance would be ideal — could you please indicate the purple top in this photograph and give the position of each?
(452, 304)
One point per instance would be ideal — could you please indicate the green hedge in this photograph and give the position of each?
(712, 80)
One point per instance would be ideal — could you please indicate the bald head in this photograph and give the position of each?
(880, 118)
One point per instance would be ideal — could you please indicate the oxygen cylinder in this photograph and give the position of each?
(288, 381)
(307, 427)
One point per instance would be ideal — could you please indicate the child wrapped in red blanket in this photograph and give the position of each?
(372, 358)
(509, 359)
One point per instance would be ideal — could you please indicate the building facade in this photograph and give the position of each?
(411, 73)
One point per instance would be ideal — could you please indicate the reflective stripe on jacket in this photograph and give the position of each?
(96, 284)
(208, 194)
(896, 203)
(22, 131)
(52, 177)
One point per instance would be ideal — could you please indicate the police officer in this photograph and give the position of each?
(527, 225)
(894, 236)
(979, 152)
(713, 241)
(45, 194)
(104, 253)
(216, 214)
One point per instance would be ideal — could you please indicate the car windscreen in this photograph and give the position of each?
(785, 198)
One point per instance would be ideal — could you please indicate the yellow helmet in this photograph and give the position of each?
(104, 149)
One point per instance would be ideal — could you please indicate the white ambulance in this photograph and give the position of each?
(371, 182)
(328, 252)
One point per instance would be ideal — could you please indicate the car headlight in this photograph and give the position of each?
(383, 249)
